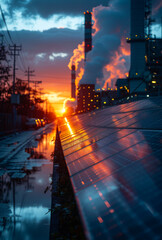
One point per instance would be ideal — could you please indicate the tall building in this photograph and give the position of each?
(88, 33)
(73, 86)
(85, 98)
(88, 99)
(145, 73)
(154, 63)
(138, 47)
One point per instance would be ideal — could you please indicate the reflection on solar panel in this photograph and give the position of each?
(114, 160)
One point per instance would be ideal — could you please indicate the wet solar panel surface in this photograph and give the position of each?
(114, 161)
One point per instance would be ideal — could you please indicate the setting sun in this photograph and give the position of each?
(56, 101)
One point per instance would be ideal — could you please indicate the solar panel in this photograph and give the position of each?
(114, 160)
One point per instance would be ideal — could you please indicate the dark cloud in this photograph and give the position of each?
(113, 23)
(56, 72)
(48, 41)
(49, 7)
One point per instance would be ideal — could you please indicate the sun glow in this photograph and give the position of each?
(63, 110)
(57, 101)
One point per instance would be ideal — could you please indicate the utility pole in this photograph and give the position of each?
(29, 73)
(14, 51)
(36, 83)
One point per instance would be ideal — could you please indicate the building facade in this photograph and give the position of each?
(85, 98)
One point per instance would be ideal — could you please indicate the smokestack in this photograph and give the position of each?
(88, 32)
(138, 49)
(73, 77)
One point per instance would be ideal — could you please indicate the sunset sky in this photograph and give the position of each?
(49, 31)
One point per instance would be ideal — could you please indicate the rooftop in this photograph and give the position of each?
(114, 161)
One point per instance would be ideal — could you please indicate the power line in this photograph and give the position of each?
(17, 36)
(3, 17)
(22, 64)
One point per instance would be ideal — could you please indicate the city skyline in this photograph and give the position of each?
(50, 32)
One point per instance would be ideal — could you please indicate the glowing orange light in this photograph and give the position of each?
(107, 204)
(116, 61)
(63, 110)
(111, 211)
(100, 219)
(100, 194)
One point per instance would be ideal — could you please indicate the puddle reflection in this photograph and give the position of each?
(25, 196)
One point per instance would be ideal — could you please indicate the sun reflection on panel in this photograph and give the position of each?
(69, 127)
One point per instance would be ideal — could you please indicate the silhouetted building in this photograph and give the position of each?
(122, 87)
(85, 99)
(88, 99)
(154, 63)
(88, 32)
(146, 53)
(105, 98)
(73, 86)
(138, 49)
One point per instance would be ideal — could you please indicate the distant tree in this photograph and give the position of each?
(4, 72)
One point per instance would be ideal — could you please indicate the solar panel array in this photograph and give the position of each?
(114, 161)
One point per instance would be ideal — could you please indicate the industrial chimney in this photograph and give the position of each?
(138, 47)
(73, 87)
(88, 32)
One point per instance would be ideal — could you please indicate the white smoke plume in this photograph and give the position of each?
(109, 58)
(70, 103)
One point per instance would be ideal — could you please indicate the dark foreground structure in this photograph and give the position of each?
(114, 161)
